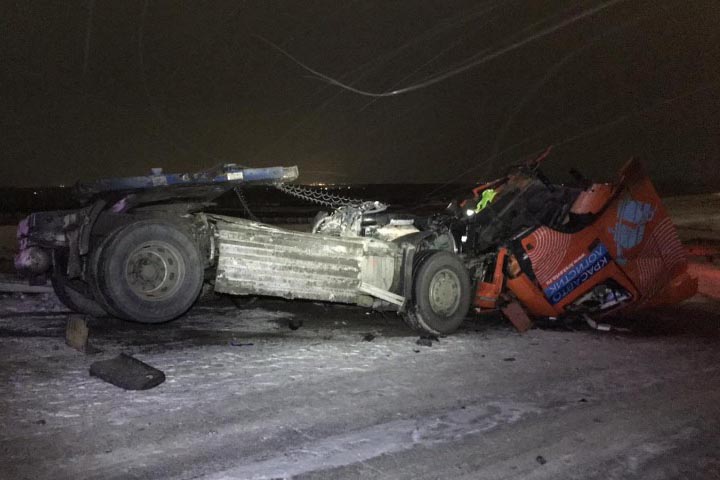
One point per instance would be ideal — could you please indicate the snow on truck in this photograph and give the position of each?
(141, 249)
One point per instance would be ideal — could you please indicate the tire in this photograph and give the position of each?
(442, 294)
(93, 267)
(409, 317)
(76, 296)
(149, 271)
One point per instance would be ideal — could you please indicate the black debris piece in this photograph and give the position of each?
(295, 323)
(424, 342)
(127, 372)
(541, 460)
(40, 422)
(416, 350)
(583, 400)
(509, 359)
(368, 337)
(236, 343)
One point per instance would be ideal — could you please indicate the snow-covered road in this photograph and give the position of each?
(246, 397)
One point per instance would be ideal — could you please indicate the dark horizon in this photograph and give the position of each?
(100, 89)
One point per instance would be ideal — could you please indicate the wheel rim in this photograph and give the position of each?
(155, 270)
(444, 292)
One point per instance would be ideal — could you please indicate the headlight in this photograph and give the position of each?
(469, 212)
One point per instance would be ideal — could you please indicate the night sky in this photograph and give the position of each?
(108, 88)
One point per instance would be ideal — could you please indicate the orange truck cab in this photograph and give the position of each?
(593, 251)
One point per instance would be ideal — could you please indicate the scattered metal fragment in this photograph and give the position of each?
(603, 327)
(509, 359)
(368, 337)
(127, 372)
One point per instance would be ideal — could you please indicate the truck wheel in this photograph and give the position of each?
(149, 271)
(76, 298)
(92, 270)
(442, 294)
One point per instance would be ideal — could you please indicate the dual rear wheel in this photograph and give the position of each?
(149, 271)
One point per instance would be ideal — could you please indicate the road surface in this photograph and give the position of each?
(248, 398)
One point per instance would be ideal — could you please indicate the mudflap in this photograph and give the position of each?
(517, 316)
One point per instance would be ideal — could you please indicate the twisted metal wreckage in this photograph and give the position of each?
(142, 247)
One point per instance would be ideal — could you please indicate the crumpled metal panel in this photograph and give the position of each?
(258, 259)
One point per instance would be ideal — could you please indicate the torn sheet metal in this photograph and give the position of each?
(257, 259)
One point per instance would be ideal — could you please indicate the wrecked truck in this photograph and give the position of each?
(141, 249)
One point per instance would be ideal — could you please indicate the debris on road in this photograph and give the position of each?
(235, 343)
(517, 316)
(295, 323)
(541, 460)
(368, 337)
(76, 335)
(127, 372)
(427, 340)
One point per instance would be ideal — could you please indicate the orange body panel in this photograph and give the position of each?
(532, 298)
(593, 199)
(632, 241)
(487, 293)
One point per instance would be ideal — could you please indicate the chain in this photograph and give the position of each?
(318, 196)
(244, 203)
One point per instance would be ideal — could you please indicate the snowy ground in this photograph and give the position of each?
(246, 397)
